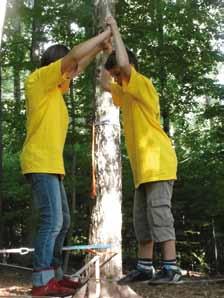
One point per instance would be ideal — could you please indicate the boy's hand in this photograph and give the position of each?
(106, 46)
(111, 21)
(108, 29)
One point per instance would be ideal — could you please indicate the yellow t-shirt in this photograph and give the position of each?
(47, 121)
(150, 151)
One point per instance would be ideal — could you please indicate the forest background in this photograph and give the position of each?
(179, 45)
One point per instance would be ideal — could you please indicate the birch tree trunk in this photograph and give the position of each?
(165, 105)
(1, 159)
(34, 50)
(16, 67)
(36, 33)
(106, 218)
(72, 177)
(2, 17)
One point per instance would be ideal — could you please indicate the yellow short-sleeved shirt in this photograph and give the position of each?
(150, 151)
(47, 121)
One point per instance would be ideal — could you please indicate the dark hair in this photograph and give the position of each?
(112, 61)
(53, 53)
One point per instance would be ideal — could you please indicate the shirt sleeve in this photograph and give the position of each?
(44, 79)
(41, 82)
(142, 89)
(117, 94)
(50, 76)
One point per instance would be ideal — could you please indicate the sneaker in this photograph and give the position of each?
(69, 283)
(52, 288)
(169, 276)
(137, 276)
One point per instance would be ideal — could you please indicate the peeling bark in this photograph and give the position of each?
(106, 218)
(1, 160)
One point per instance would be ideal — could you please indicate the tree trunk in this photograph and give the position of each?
(36, 28)
(72, 176)
(17, 62)
(35, 41)
(1, 160)
(162, 73)
(2, 18)
(106, 218)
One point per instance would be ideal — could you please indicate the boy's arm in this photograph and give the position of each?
(120, 49)
(71, 61)
(86, 60)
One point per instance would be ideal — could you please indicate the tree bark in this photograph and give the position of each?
(1, 160)
(72, 175)
(106, 214)
(162, 73)
(2, 18)
(17, 62)
(35, 42)
(106, 218)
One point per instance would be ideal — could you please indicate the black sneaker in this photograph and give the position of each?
(137, 276)
(168, 276)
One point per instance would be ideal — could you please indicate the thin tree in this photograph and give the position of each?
(2, 18)
(106, 214)
(1, 157)
(35, 11)
(106, 218)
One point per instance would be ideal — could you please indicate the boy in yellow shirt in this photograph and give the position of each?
(42, 158)
(153, 162)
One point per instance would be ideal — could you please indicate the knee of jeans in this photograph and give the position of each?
(58, 224)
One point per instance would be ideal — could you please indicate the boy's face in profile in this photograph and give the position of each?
(116, 73)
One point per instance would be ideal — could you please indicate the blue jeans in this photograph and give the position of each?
(54, 220)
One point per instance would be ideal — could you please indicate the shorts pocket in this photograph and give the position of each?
(161, 213)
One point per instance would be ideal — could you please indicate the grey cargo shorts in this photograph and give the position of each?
(153, 219)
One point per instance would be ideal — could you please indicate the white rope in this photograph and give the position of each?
(26, 250)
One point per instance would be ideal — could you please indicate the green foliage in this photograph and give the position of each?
(16, 200)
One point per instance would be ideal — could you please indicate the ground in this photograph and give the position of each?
(17, 282)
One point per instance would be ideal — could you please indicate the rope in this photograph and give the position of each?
(93, 192)
(26, 250)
